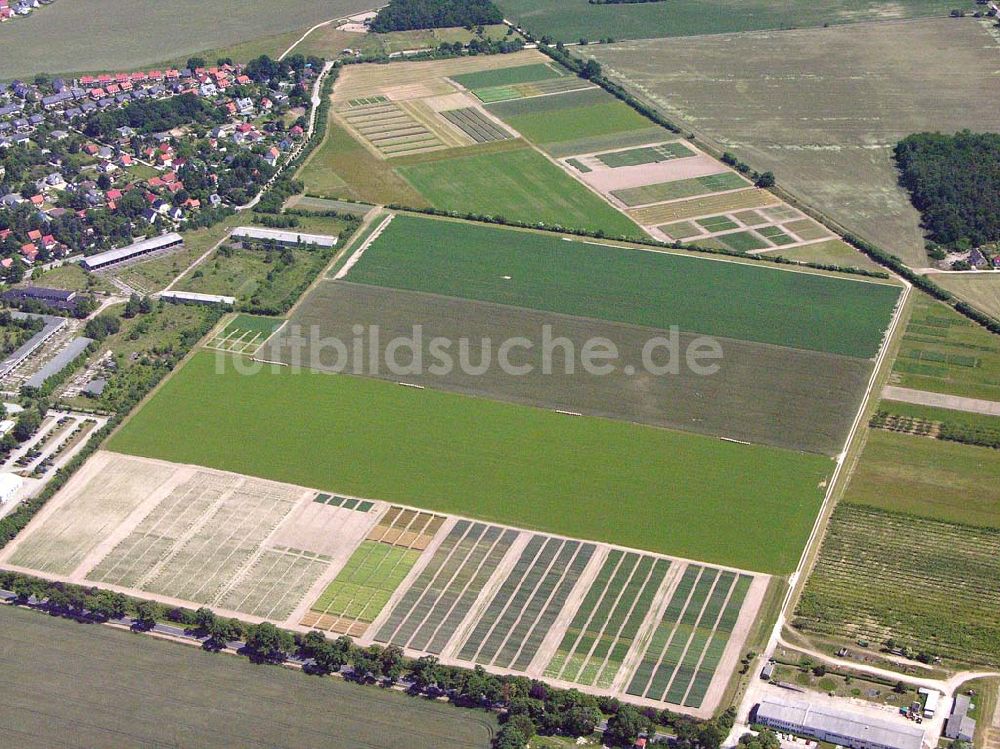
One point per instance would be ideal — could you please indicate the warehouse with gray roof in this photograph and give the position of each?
(135, 250)
(838, 726)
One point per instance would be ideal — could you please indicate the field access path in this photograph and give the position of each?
(941, 400)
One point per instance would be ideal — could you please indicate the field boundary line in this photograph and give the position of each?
(369, 240)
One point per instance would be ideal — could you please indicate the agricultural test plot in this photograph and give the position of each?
(766, 229)
(364, 586)
(520, 82)
(205, 539)
(680, 660)
(244, 334)
(662, 192)
(430, 611)
(644, 155)
(519, 616)
(466, 591)
(64, 534)
(391, 129)
(944, 352)
(595, 646)
(241, 544)
(476, 125)
(955, 568)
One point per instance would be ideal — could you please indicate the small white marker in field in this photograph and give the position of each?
(506, 278)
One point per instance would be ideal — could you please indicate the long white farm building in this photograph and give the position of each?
(137, 249)
(283, 237)
(843, 727)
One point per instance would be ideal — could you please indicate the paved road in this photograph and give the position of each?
(940, 400)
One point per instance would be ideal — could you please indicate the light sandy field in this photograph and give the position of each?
(823, 108)
(263, 550)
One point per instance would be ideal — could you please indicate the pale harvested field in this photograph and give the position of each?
(365, 80)
(981, 289)
(605, 180)
(822, 108)
(709, 205)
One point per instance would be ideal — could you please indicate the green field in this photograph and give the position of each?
(763, 394)
(670, 492)
(681, 188)
(569, 117)
(365, 585)
(944, 352)
(507, 76)
(942, 480)
(569, 21)
(742, 241)
(137, 33)
(519, 185)
(800, 310)
(93, 686)
(830, 252)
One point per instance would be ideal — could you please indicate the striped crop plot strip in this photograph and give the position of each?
(720, 638)
(523, 610)
(602, 631)
(476, 125)
(275, 583)
(152, 540)
(430, 611)
(387, 126)
(688, 643)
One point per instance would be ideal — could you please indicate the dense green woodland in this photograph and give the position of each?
(404, 15)
(954, 181)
